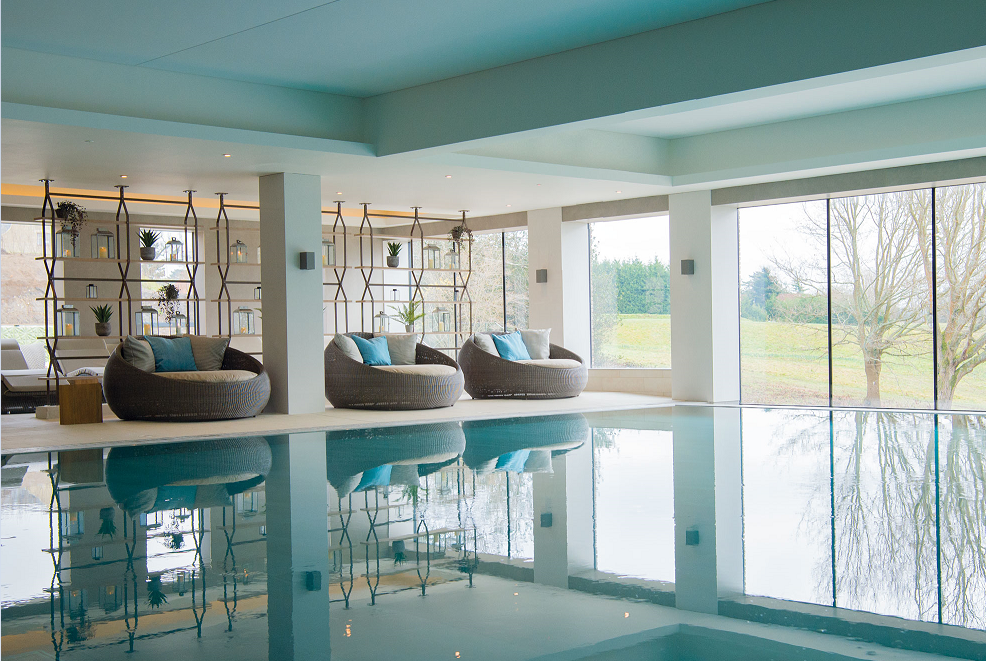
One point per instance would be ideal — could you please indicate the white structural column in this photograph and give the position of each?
(705, 305)
(291, 223)
(297, 545)
(708, 492)
(565, 547)
(561, 303)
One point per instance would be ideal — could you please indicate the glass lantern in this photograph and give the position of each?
(65, 243)
(243, 321)
(67, 320)
(145, 319)
(174, 251)
(181, 323)
(443, 320)
(452, 259)
(328, 252)
(383, 322)
(103, 244)
(433, 256)
(91, 291)
(238, 252)
(256, 293)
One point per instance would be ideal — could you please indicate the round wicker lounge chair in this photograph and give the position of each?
(488, 376)
(350, 384)
(192, 474)
(134, 394)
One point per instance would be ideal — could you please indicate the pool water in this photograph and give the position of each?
(673, 533)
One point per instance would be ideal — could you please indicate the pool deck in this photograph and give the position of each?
(27, 433)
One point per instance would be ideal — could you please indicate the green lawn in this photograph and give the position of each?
(788, 363)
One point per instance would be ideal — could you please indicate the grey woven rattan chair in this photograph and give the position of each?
(350, 384)
(488, 376)
(134, 394)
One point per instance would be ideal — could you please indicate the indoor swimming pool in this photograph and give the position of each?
(682, 532)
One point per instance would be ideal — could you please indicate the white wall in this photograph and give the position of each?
(562, 303)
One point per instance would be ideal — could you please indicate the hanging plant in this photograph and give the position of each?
(73, 217)
(167, 301)
(460, 233)
(155, 594)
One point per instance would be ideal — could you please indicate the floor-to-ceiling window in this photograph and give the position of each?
(631, 294)
(874, 300)
(498, 284)
(515, 278)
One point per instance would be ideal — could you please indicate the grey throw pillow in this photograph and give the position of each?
(403, 348)
(485, 342)
(138, 353)
(537, 343)
(208, 352)
(348, 347)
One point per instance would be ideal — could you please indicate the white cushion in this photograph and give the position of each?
(556, 363)
(421, 370)
(403, 347)
(485, 342)
(536, 342)
(348, 347)
(210, 376)
(12, 359)
(25, 380)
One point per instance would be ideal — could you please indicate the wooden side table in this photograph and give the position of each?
(80, 401)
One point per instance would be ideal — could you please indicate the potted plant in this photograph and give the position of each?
(167, 301)
(147, 240)
(408, 314)
(394, 253)
(103, 315)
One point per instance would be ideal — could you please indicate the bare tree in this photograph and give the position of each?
(960, 242)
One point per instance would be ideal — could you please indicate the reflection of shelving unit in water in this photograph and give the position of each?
(431, 548)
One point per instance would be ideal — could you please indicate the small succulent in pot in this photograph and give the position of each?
(155, 593)
(147, 240)
(394, 253)
(103, 315)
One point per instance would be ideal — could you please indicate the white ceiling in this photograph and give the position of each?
(162, 165)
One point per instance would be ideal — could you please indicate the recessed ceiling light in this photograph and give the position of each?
(89, 142)
(539, 184)
(123, 176)
(448, 176)
(618, 192)
(508, 205)
(339, 192)
(227, 155)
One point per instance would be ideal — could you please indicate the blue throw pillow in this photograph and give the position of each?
(511, 346)
(375, 351)
(172, 355)
(513, 461)
(375, 477)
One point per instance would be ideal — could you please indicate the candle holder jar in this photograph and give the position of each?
(181, 324)
(103, 244)
(433, 256)
(65, 241)
(243, 321)
(174, 251)
(67, 321)
(145, 319)
(238, 252)
(328, 252)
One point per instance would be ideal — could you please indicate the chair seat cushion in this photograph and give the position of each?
(557, 363)
(25, 380)
(420, 370)
(215, 376)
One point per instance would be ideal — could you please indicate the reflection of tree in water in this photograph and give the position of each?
(885, 521)
(962, 465)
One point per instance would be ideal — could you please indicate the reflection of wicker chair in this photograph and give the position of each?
(352, 385)
(134, 394)
(486, 440)
(488, 376)
(195, 474)
(428, 447)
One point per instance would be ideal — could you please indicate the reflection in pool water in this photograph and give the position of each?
(437, 540)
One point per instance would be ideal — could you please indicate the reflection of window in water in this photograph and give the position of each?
(248, 503)
(97, 553)
(109, 598)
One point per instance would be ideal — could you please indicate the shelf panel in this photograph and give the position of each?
(115, 260)
(117, 300)
(134, 223)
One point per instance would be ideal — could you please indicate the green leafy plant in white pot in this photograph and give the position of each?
(410, 313)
